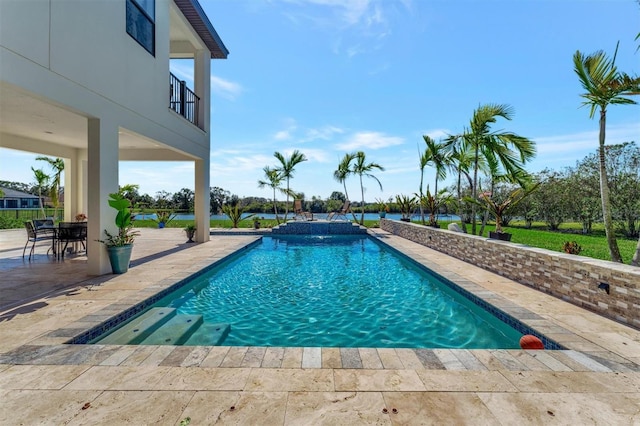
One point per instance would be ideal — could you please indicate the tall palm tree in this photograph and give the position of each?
(461, 158)
(57, 165)
(342, 173)
(286, 170)
(362, 168)
(510, 150)
(42, 181)
(604, 86)
(273, 181)
(436, 154)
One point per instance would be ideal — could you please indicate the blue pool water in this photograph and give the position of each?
(335, 291)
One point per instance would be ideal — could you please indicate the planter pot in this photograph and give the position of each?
(160, 225)
(383, 214)
(120, 258)
(504, 236)
(190, 235)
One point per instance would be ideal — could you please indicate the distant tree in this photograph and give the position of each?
(362, 168)
(184, 199)
(17, 186)
(342, 173)
(287, 168)
(337, 196)
(437, 155)
(57, 166)
(218, 197)
(162, 200)
(604, 86)
(273, 181)
(42, 182)
(130, 192)
(553, 198)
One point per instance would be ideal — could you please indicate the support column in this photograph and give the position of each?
(102, 180)
(70, 185)
(202, 86)
(202, 205)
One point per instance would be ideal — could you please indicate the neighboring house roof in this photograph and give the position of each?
(12, 193)
(192, 10)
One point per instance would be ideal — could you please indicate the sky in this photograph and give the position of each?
(327, 77)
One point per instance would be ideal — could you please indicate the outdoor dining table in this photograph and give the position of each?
(70, 232)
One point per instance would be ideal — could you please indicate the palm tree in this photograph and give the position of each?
(362, 168)
(604, 86)
(342, 173)
(508, 149)
(42, 181)
(274, 179)
(286, 170)
(461, 158)
(435, 154)
(57, 165)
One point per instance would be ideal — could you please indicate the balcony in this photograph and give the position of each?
(183, 101)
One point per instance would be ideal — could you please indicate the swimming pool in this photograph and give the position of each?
(323, 291)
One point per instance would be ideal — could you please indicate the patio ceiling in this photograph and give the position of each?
(28, 117)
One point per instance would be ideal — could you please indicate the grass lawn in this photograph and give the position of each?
(593, 245)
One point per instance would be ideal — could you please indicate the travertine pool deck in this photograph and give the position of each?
(43, 381)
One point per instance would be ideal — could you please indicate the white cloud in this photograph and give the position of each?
(322, 133)
(225, 88)
(369, 140)
(352, 23)
(586, 141)
(437, 133)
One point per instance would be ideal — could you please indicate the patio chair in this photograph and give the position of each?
(71, 232)
(300, 214)
(37, 235)
(342, 213)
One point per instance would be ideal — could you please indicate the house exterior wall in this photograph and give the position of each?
(78, 56)
(85, 44)
(574, 279)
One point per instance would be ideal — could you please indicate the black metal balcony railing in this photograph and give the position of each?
(183, 101)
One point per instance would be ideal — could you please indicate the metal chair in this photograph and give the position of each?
(300, 214)
(71, 232)
(36, 235)
(346, 208)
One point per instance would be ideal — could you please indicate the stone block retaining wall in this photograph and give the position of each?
(575, 279)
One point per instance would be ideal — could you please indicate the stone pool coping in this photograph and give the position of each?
(597, 382)
(50, 348)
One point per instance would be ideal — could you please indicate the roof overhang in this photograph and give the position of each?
(192, 10)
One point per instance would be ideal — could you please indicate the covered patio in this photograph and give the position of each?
(43, 380)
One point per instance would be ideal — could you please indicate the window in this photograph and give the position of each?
(140, 23)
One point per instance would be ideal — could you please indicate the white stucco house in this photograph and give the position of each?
(89, 81)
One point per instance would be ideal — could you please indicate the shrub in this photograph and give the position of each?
(571, 247)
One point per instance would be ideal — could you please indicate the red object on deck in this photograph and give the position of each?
(531, 342)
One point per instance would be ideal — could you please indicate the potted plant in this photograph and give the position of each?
(500, 208)
(190, 230)
(163, 217)
(432, 203)
(256, 222)
(406, 205)
(383, 208)
(119, 245)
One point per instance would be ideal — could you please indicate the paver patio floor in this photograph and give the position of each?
(43, 381)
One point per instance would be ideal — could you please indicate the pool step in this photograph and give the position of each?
(178, 302)
(209, 335)
(139, 328)
(176, 331)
